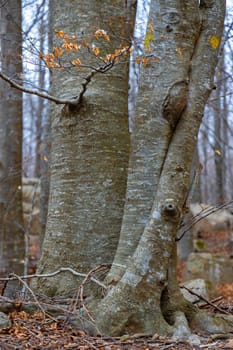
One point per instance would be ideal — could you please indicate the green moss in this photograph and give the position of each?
(200, 244)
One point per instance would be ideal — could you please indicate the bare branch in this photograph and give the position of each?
(62, 269)
(80, 291)
(205, 300)
(101, 69)
(33, 295)
(75, 101)
(201, 215)
(36, 92)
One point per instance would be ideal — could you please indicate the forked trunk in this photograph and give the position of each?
(137, 302)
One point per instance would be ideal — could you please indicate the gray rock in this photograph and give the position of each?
(194, 340)
(198, 286)
(214, 268)
(5, 321)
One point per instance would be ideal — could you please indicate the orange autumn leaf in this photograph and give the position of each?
(68, 46)
(138, 60)
(118, 52)
(145, 61)
(74, 46)
(178, 50)
(111, 58)
(96, 51)
(100, 33)
(50, 61)
(59, 33)
(58, 52)
(76, 62)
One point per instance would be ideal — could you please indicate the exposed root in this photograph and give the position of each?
(117, 316)
(116, 320)
(182, 330)
(212, 323)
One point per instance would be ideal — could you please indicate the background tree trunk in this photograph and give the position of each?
(11, 225)
(218, 156)
(90, 148)
(45, 158)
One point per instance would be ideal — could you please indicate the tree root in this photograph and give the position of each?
(182, 330)
(118, 319)
(212, 323)
(115, 320)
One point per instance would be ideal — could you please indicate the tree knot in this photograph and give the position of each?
(175, 102)
(170, 209)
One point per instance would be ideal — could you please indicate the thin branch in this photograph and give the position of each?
(36, 92)
(200, 216)
(101, 69)
(77, 99)
(80, 291)
(62, 269)
(205, 300)
(33, 295)
(215, 300)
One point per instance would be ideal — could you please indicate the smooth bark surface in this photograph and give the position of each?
(89, 163)
(45, 158)
(134, 304)
(11, 220)
(162, 97)
(90, 148)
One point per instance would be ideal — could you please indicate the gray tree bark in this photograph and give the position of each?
(45, 148)
(218, 156)
(162, 97)
(90, 148)
(146, 298)
(11, 220)
(220, 131)
(89, 162)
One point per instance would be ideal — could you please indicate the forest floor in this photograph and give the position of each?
(39, 332)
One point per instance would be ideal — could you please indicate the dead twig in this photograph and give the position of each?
(52, 274)
(33, 295)
(205, 212)
(206, 301)
(35, 92)
(80, 291)
(75, 101)
(212, 301)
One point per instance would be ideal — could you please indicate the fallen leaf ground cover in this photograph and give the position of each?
(38, 332)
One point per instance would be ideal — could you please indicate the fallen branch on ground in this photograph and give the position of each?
(62, 269)
(206, 301)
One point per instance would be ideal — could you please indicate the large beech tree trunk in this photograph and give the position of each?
(90, 149)
(146, 298)
(89, 162)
